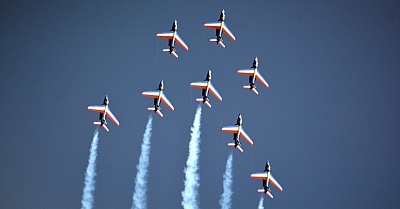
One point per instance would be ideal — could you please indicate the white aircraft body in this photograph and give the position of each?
(254, 74)
(104, 111)
(220, 27)
(173, 37)
(207, 86)
(267, 178)
(159, 97)
(237, 131)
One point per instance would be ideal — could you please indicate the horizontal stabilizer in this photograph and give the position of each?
(263, 191)
(218, 42)
(199, 100)
(221, 44)
(151, 109)
(208, 104)
(237, 147)
(252, 89)
(99, 124)
(166, 50)
(175, 54)
(159, 113)
(105, 127)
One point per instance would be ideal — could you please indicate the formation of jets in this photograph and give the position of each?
(158, 95)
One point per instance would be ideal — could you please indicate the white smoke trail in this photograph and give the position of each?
(261, 203)
(226, 197)
(90, 175)
(190, 194)
(139, 196)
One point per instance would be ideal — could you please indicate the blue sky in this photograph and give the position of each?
(328, 124)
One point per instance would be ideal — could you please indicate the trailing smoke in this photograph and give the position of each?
(190, 193)
(139, 196)
(90, 175)
(226, 198)
(261, 203)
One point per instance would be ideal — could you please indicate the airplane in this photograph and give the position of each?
(220, 27)
(158, 96)
(104, 111)
(266, 177)
(207, 86)
(253, 74)
(173, 36)
(237, 131)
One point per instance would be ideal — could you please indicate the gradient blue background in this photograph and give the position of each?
(329, 123)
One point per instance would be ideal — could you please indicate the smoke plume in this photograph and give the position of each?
(90, 175)
(139, 196)
(190, 193)
(226, 198)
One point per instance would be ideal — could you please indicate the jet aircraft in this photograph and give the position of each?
(207, 86)
(158, 96)
(104, 111)
(220, 27)
(173, 36)
(267, 177)
(237, 131)
(253, 74)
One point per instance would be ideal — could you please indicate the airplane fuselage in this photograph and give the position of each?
(103, 115)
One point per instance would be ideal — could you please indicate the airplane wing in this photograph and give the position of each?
(167, 35)
(248, 72)
(112, 117)
(199, 84)
(215, 92)
(275, 183)
(97, 108)
(166, 101)
(261, 79)
(263, 176)
(230, 129)
(226, 30)
(179, 40)
(245, 136)
(215, 25)
(152, 94)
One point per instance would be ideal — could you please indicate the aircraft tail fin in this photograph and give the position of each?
(237, 147)
(252, 89)
(263, 191)
(218, 42)
(96, 123)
